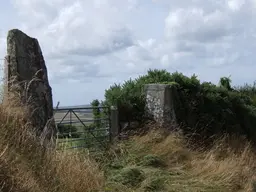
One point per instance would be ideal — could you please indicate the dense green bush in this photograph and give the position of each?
(249, 90)
(216, 109)
(129, 97)
(202, 108)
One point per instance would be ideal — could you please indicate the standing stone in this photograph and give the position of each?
(160, 104)
(26, 74)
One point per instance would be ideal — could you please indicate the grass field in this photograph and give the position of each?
(82, 116)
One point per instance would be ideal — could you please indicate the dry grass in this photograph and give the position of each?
(26, 165)
(228, 166)
(156, 161)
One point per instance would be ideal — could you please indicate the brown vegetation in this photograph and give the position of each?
(228, 166)
(156, 161)
(166, 162)
(25, 165)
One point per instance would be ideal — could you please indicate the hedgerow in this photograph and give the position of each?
(202, 108)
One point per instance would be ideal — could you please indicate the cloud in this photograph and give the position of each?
(195, 24)
(78, 28)
(213, 35)
(92, 44)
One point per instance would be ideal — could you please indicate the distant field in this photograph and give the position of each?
(86, 118)
(82, 116)
(60, 115)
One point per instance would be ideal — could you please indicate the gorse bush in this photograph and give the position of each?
(129, 97)
(203, 108)
(216, 109)
(249, 90)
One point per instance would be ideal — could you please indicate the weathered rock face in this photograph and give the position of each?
(26, 73)
(160, 104)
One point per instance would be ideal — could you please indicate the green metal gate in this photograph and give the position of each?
(77, 127)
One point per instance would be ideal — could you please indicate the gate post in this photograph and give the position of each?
(114, 124)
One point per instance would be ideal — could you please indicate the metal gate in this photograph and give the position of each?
(79, 127)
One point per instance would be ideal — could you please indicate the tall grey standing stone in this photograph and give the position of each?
(26, 73)
(160, 104)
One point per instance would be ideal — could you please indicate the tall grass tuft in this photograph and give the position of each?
(26, 165)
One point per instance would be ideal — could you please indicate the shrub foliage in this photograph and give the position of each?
(203, 108)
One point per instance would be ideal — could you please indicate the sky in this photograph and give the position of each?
(89, 45)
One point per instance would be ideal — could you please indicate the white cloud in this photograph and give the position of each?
(235, 5)
(89, 45)
(195, 25)
(165, 60)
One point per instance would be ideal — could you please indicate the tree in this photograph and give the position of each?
(96, 113)
(225, 82)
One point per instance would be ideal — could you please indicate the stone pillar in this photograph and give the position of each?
(26, 75)
(160, 104)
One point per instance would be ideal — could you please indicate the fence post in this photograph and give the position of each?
(114, 124)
